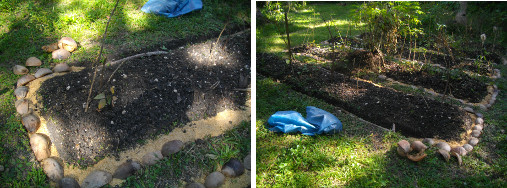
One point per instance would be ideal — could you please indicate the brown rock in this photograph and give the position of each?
(62, 67)
(33, 62)
(31, 122)
(50, 47)
(126, 169)
(60, 54)
(152, 158)
(417, 157)
(25, 79)
(476, 133)
(477, 127)
(460, 161)
(214, 180)
(404, 147)
(68, 182)
(444, 154)
(429, 141)
(444, 146)
(40, 145)
(459, 150)
(19, 70)
(418, 146)
(53, 169)
(21, 92)
(22, 106)
(68, 44)
(233, 168)
(171, 147)
(42, 72)
(473, 141)
(468, 147)
(96, 179)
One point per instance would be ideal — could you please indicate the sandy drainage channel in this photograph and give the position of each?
(213, 126)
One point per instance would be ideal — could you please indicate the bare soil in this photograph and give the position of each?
(415, 116)
(154, 95)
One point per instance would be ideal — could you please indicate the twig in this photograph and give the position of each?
(240, 89)
(100, 56)
(132, 57)
(211, 49)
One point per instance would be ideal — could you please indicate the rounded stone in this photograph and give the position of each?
(418, 146)
(50, 47)
(33, 62)
(443, 146)
(469, 109)
(468, 147)
(477, 127)
(60, 54)
(214, 180)
(233, 168)
(42, 72)
(19, 70)
(482, 107)
(68, 182)
(171, 147)
(96, 179)
(247, 162)
(479, 115)
(459, 150)
(31, 122)
(473, 141)
(404, 146)
(152, 158)
(126, 169)
(68, 44)
(476, 133)
(22, 106)
(53, 169)
(479, 121)
(62, 67)
(40, 145)
(429, 141)
(25, 79)
(21, 92)
(195, 185)
(444, 154)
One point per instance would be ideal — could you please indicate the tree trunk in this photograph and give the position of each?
(461, 17)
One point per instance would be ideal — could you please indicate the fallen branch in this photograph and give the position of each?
(132, 57)
(100, 56)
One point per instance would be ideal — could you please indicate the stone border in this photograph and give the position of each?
(53, 166)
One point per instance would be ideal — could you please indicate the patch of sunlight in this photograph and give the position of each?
(136, 20)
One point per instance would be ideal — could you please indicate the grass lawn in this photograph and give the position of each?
(362, 155)
(25, 26)
(307, 25)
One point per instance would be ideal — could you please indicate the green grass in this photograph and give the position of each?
(360, 157)
(27, 25)
(195, 158)
(307, 25)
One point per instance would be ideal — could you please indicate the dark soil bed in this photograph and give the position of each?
(460, 86)
(415, 116)
(154, 95)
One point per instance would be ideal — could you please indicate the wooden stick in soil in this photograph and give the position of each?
(288, 38)
(218, 39)
(99, 57)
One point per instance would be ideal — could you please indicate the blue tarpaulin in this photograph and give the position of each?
(171, 8)
(317, 121)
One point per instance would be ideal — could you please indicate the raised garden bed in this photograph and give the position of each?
(153, 96)
(415, 116)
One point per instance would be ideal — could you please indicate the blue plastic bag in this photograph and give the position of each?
(171, 8)
(317, 121)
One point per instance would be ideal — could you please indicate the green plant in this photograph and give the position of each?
(387, 21)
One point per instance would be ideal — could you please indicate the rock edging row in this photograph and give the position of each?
(53, 166)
